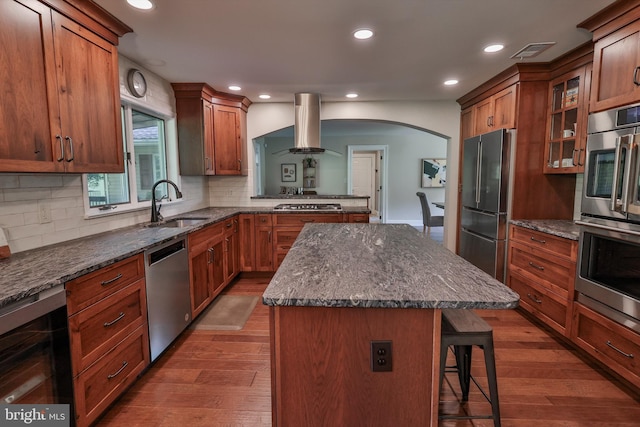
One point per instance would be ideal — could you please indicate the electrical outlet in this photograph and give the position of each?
(381, 356)
(229, 193)
(44, 213)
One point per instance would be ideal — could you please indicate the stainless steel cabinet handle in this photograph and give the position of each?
(110, 281)
(239, 164)
(71, 155)
(539, 267)
(269, 236)
(635, 76)
(538, 240)
(114, 321)
(629, 355)
(116, 373)
(534, 299)
(307, 220)
(61, 142)
(211, 255)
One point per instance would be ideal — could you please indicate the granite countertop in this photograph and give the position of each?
(556, 227)
(380, 265)
(27, 273)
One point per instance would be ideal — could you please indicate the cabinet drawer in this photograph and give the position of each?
(302, 219)
(358, 217)
(613, 344)
(535, 239)
(283, 238)
(263, 219)
(558, 273)
(203, 236)
(92, 287)
(97, 329)
(543, 304)
(103, 382)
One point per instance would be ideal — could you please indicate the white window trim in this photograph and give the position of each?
(171, 149)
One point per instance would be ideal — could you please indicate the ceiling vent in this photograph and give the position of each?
(531, 50)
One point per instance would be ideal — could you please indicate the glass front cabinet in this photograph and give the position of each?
(567, 122)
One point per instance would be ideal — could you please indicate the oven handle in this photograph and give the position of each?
(605, 227)
(616, 172)
(25, 311)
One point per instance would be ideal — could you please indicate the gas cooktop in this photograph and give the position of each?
(308, 207)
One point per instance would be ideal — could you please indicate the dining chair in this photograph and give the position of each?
(428, 220)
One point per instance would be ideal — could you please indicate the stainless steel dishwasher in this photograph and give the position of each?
(168, 297)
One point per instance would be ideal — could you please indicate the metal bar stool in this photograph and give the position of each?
(463, 329)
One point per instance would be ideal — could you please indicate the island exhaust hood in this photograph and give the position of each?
(306, 126)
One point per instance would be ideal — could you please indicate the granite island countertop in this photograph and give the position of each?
(28, 273)
(380, 265)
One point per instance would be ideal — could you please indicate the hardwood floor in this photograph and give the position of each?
(222, 378)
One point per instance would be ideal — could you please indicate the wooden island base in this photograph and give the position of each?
(322, 373)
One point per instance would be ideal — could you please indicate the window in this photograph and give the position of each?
(145, 163)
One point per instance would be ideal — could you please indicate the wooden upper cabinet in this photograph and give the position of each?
(567, 122)
(616, 72)
(60, 109)
(211, 130)
(89, 95)
(616, 57)
(495, 112)
(227, 140)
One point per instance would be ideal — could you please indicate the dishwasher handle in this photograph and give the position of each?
(158, 255)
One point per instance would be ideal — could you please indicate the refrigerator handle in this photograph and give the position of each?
(478, 172)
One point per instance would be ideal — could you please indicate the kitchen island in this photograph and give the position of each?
(342, 287)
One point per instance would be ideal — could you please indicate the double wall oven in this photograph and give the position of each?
(609, 261)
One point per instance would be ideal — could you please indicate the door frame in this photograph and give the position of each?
(384, 167)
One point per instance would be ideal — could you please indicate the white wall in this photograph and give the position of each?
(442, 118)
(21, 195)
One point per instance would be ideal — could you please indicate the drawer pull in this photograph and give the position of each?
(538, 240)
(110, 281)
(307, 220)
(534, 299)
(114, 321)
(116, 373)
(629, 355)
(229, 225)
(539, 267)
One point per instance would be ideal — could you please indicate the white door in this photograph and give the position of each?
(363, 178)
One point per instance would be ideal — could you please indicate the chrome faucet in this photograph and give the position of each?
(155, 211)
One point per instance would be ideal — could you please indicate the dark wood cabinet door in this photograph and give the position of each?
(208, 138)
(264, 248)
(616, 69)
(28, 105)
(200, 269)
(89, 96)
(228, 153)
(218, 273)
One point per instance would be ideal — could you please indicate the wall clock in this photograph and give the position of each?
(136, 83)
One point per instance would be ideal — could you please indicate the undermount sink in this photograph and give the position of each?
(178, 222)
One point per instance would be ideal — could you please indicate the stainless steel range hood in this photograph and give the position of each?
(307, 124)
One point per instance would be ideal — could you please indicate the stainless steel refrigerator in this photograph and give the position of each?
(485, 182)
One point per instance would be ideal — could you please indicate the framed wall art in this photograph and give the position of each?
(288, 172)
(434, 173)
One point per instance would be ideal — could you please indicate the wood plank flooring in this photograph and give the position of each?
(222, 378)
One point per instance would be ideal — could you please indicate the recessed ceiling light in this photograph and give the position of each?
(264, 96)
(141, 4)
(363, 34)
(234, 87)
(351, 95)
(451, 82)
(494, 48)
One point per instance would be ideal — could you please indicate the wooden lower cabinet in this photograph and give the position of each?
(214, 260)
(541, 269)
(613, 344)
(286, 228)
(108, 334)
(247, 242)
(358, 217)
